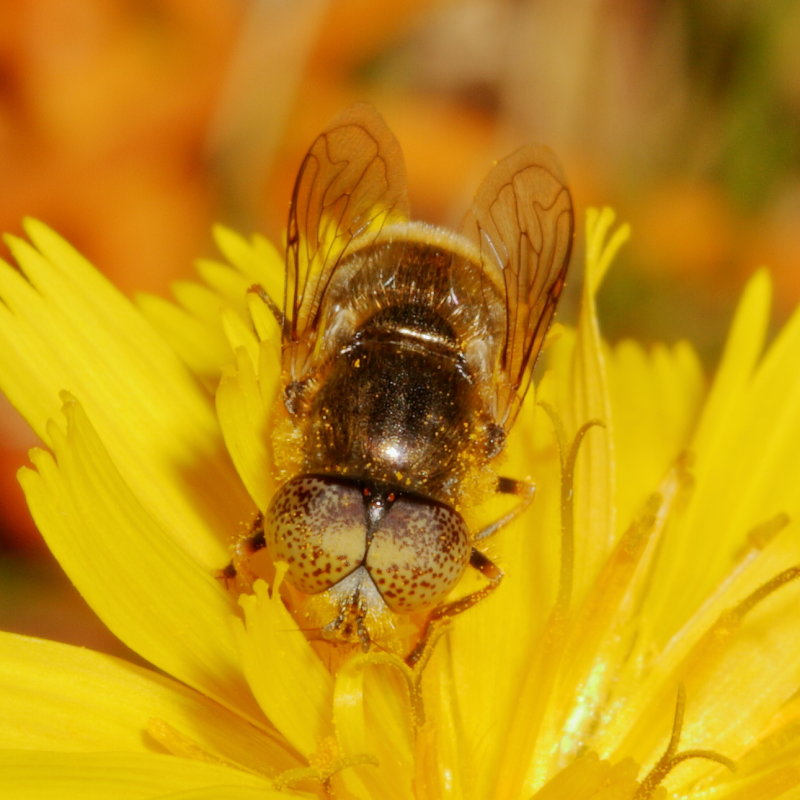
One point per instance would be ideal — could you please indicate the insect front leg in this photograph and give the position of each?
(525, 492)
(350, 624)
(245, 546)
(444, 612)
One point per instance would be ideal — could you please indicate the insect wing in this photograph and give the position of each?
(522, 223)
(350, 184)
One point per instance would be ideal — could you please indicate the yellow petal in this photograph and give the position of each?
(193, 329)
(501, 636)
(742, 350)
(258, 262)
(238, 793)
(150, 592)
(744, 467)
(70, 329)
(286, 676)
(656, 396)
(373, 716)
(583, 397)
(245, 402)
(123, 776)
(590, 778)
(525, 636)
(43, 683)
(193, 326)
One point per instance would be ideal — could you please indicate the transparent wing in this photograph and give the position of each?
(522, 223)
(350, 184)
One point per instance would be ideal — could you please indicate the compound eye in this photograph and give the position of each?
(418, 553)
(316, 525)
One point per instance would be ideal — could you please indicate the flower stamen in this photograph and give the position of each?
(180, 745)
(738, 612)
(568, 459)
(291, 777)
(757, 539)
(568, 514)
(761, 535)
(672, 757)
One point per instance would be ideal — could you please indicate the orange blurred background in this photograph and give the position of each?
(131, 127)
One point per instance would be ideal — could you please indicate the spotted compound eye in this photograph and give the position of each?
(417, 554)
(317, 526)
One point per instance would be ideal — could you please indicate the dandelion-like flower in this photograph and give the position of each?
(645, 642)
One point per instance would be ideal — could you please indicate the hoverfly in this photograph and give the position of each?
(407, 350)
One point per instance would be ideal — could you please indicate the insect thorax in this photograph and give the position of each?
(397, 405)
(397, 399)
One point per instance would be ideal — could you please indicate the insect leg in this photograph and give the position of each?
(350, 624)
(523, 490)
(246, 545)
(260, 292)
(442, 613)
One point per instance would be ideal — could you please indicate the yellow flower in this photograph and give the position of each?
(644, 642)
